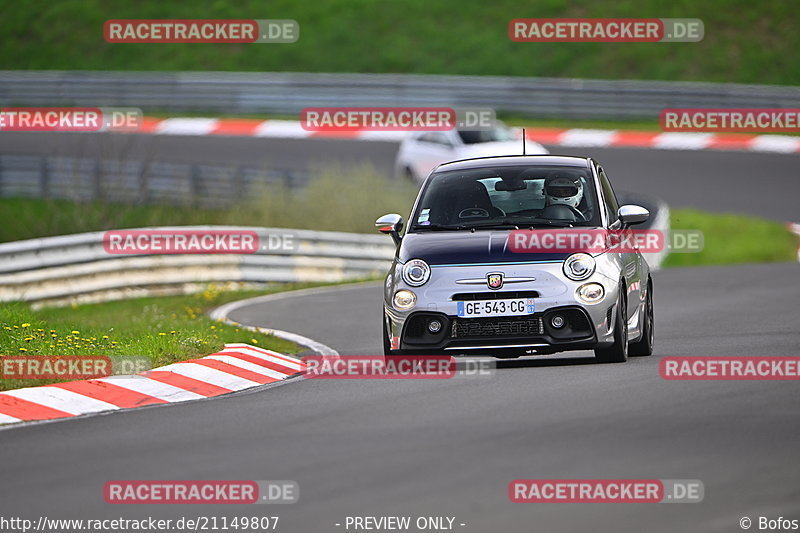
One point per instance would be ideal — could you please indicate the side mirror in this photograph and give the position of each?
(391, 224)
(632, 214)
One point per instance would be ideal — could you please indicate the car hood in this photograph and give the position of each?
(466, 248)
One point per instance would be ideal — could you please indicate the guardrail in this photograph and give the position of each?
(57, 271)
(288, 93)
(77, 269)
(144, 182)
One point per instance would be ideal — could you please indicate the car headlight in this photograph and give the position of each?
(591, 293)
(579, 266)
(404, 299)
(416, 272)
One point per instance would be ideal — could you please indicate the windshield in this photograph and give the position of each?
(507, 197)
(498, 134)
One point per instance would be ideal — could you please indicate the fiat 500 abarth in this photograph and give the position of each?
(457, 285)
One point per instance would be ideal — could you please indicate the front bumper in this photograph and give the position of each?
(587, 326)
(486, 335)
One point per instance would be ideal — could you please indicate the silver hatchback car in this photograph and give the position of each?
(458, 285)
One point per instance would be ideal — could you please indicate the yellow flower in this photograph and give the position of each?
(213, 327)
(105, 336)
(23, 350)
(25, 325)
(28, 339)
(172, 332)
(254, 341)
(75, 332)
(162, 333)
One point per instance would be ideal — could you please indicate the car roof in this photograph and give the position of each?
(514, 160)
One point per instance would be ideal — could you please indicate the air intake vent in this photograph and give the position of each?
(472, 328)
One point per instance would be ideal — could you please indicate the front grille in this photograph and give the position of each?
(494, 295)
(466, 328)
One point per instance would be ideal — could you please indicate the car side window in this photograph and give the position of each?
(612, 206)
(435, 137)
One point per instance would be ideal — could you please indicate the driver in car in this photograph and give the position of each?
(560, 190)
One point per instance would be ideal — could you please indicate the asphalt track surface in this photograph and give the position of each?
(450, 448)
(762, 184)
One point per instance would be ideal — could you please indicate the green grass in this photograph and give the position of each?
(730, 239)
(338, 201)
(169, 329)
(164, 329)
(351, 202)
(745, 41)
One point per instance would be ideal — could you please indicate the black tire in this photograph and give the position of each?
(617, 352)
(387, 346)
(644, 346)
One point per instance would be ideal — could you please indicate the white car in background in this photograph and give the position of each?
(420, 151)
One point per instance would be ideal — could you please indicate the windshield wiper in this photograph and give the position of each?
(548, 222)
(437, 227)
(496, 224)
(461, 227)
(509, 223)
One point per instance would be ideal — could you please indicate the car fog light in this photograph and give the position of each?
(557, 321)
(404, 299)
(591, 293)
(434, 326)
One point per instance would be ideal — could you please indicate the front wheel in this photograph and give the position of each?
(387, 346)
(644, 346)
(617, 352)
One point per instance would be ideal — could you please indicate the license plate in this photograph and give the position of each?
(510, 307)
